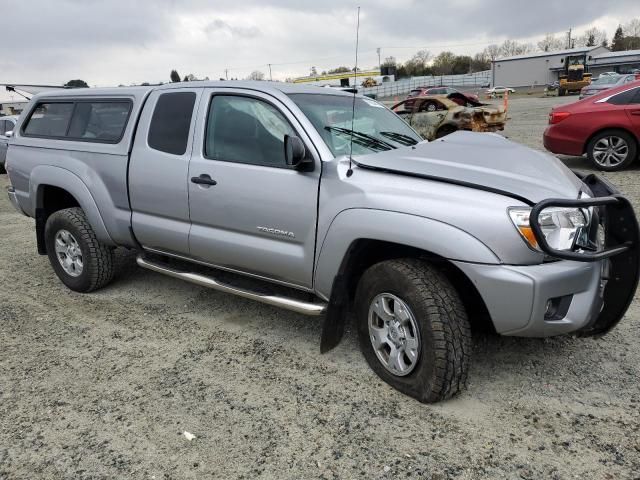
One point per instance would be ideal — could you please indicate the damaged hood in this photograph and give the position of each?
(485, 161)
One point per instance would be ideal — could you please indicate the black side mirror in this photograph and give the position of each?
(295, 153)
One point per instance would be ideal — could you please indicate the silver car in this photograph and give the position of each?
(7, 124)
(604, 83)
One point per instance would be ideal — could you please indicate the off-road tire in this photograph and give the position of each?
(631, 155)
(445, 335)
(98, 261)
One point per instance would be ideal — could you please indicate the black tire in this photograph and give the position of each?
(98, 263)
(632, 149)
(440, 371)
(562, 92)
(445, 130)
(2, 169)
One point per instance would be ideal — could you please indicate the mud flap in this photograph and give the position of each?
(334, 321)
(621, 249)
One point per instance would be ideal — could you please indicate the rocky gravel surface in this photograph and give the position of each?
(105, 385)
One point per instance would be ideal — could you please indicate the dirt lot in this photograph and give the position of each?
(104, 385)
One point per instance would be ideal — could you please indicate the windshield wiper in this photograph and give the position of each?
(400, 138)
(363, 139)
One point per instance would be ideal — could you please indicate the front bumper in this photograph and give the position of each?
(516, 296)
(594, 284)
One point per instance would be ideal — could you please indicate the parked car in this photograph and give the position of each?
(605, 127)
(495, 91)
(605, 83)
(7, 124)
(434, 116)
(322, 202)
(461, 98)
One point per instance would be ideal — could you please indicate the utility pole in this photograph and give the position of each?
(379, 63)
(270, 77)
(569, 39)
(226, 73)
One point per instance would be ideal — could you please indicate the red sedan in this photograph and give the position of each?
(605, 126)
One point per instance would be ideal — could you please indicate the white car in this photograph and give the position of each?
(609, 74)
(500, 91)
(7, 124)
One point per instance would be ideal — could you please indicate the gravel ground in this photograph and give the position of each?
(105, 385)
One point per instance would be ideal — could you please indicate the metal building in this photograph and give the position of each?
(621, 62)
(537, 69)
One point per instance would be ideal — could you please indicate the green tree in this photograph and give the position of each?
(461, 65)
(617, 44)
(443, 63)
(480, 62)
(175, 76)
(76, 84)
(339, 70)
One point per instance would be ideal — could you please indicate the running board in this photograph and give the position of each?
(305, 308)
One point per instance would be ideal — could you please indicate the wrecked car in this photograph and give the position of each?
(434, 117)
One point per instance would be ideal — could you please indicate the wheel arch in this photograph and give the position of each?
(54, 189)
(344, 257)
(616, 128)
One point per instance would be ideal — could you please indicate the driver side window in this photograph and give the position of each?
(246, 130)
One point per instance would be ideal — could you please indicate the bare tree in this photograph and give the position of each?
(492, 51)
(509, 48)
(591, 37)
(256, 75)
(632, 28)
(550, 43)
(421, 58)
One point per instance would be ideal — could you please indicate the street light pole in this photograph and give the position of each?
(379, 63)
(270, 77)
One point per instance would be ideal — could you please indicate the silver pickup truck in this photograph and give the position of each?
(326, 203)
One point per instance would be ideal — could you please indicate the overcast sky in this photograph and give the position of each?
(132, 41)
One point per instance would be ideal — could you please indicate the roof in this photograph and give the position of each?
(570, 51)
(623, 53)
(141, 91)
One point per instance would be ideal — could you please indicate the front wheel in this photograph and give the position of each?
(81, 262)
(612, 150)
(413, 329)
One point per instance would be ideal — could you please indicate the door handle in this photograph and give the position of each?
(635, 112)
(203, 180)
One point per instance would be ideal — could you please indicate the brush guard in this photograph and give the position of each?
(614, 215)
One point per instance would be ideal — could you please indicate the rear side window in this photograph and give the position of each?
(49, 120)
(171, 121)
(631, 96)
(99, 121)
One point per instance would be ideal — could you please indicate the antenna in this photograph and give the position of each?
(353, 105)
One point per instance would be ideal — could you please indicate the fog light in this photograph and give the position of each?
(557, 307)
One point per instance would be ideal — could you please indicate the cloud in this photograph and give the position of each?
(220, 26)
(132, 41)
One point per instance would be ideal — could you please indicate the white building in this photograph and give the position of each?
(538, 69)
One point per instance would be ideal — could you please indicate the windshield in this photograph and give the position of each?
(375, 127)
(608, 80)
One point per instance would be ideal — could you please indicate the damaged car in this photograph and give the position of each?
(434, 117)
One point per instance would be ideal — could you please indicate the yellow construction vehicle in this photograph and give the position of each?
(575, 76)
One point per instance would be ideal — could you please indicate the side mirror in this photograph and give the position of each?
(9, 134)
(295, 153)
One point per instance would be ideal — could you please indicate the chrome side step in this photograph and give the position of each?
(306, 308)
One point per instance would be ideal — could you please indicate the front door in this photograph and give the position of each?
(249, 211)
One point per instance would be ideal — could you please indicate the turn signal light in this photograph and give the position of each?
(557, 117)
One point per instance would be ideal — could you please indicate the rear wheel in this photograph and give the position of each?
(81, 262)
(413, 329)
(612, 150)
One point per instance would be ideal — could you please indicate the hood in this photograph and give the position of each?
(485, 161)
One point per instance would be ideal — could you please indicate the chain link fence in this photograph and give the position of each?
(403, 87)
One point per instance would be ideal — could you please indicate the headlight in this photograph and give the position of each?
(560, 225)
